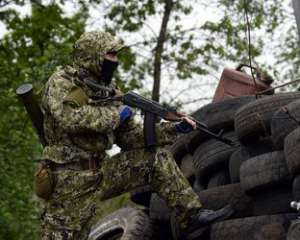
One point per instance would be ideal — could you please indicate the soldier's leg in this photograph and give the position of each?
(169, 182)
(131, 169)
(71, 207)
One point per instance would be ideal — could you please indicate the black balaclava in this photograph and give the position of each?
(108, 68)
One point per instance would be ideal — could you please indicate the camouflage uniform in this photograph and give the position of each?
(77, 132)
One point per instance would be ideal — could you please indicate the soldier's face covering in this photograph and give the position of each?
(92, 48)
(107, 70)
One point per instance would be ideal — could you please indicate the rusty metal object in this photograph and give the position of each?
(234, 83)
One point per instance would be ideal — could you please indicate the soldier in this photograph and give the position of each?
(76, 172)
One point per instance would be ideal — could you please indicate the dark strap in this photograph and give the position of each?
(149, 130)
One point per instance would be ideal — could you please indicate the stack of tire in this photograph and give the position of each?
(259, 176)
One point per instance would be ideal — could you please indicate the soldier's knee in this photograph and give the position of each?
(162, 156)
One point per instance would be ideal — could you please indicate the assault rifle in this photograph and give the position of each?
(170, 114)
(152, 109)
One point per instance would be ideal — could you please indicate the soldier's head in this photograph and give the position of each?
(97, 52)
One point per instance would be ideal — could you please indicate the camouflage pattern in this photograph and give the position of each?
(90, 48)
(80, 132)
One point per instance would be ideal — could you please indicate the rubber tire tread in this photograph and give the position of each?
(254, 119)
(216, 198)
(264, 171)
(273, 201)
(259, 228)
(198, 185)
(212, 155)
(234, 165)
(260, 146)
(294, 231)
(219, 178)
(194, 139)
(292, 151)
(244, 153)
(220, 115)
(135, 224)
(179, 148)
(284, 123)
(187, 168)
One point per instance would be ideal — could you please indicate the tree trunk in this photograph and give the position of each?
(296, 5)
(160, 48)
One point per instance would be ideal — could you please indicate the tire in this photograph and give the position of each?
(187, 168)
(126, 223)
(296, 188)
(241, 155)
(194, 139)
(178, 148)
(264, 171)
(220, 115)
(253, 119)
(219, 178)
(294, 231)
(198, 186)
(141, 196)
(260, 146)
(273, 201)
(216, 198)
(212, 156)
(235, 163)
(292, 151)
(273, 227)
(284, 121)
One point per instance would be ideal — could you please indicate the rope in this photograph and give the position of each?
(248, 37)
(279, 86)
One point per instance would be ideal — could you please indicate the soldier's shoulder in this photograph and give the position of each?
(61, 78)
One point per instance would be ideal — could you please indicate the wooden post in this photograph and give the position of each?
(296, 6)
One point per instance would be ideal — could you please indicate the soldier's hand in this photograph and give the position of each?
(186, 125)
(125, 114)
(190, 121)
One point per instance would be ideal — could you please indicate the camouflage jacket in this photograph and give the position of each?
(77, 130)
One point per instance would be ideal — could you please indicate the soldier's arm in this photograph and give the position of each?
(131, 135)
(77, 116)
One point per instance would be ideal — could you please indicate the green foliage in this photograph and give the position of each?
(30, 51)
(199, 50)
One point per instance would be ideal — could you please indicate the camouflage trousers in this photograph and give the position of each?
(72, 205)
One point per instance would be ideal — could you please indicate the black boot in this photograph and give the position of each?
(199, 222)
(206, 217)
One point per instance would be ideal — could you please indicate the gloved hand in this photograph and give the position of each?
(186, 125)
(125, 113)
